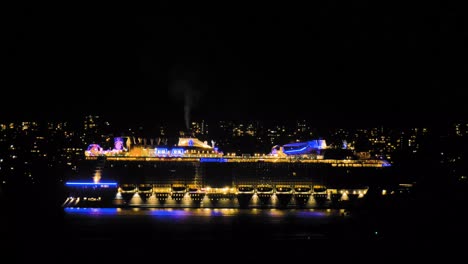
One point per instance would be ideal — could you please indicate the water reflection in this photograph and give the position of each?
(205, 223)
(207, 212)
(91, 211)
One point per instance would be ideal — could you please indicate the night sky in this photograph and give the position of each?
(332, 64)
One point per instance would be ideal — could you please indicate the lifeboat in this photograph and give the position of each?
(178, 191)
(128, 188)
(245, 189)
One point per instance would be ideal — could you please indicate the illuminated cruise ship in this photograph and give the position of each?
(192, 173)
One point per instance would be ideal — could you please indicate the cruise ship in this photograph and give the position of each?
(194, 173)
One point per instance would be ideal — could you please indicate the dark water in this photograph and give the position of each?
(131, 234)
(36, 228)
(118, 235)
(207, 224)
(406, 220)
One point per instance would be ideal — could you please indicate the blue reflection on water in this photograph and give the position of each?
(169, 213)
(91, 211)
(216, 212)
(182, 213)
(311, 213)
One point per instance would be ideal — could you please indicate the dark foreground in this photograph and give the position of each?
(405, 222)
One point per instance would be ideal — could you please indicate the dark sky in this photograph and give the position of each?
(330, 64)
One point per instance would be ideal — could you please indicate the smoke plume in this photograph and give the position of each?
(184, 91)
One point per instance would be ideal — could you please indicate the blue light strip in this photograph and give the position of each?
(295, 150)
(213, 160)
(91, 211)
(91, 183)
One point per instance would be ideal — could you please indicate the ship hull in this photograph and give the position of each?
(179, 183)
